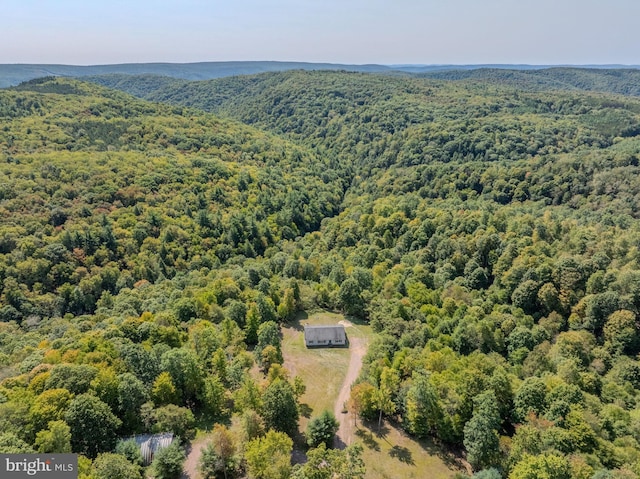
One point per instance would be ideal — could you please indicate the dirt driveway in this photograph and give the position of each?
(190, 467)
(358, 348)
(346, 432)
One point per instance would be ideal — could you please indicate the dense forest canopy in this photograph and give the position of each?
(488, 232)
(14, 74)
(625, 81)
(621, 81)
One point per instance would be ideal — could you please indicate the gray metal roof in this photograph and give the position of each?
(151, 443)
(335, 333)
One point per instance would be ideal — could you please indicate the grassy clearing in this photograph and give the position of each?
(393, 454)
(323, 369)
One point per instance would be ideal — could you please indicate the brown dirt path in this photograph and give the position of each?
(358, 348)
(190, 467)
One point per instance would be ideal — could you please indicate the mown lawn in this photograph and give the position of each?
(322, 369)
(389, 455)
(392, 454)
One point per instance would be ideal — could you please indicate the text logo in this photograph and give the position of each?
(45, 466)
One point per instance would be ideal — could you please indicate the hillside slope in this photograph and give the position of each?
(488, 235)
(476, 237)
(147, 188)
(11, 75)
(374, 123)
(604, 80)
(619, 81)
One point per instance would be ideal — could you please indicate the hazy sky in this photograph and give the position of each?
(86, 32)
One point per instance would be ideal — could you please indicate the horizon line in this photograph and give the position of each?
(388, 65)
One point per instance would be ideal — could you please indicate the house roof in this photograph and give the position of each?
(151, 443)
(325, 333)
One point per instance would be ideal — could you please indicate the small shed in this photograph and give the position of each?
(150, 444)
(325, 336)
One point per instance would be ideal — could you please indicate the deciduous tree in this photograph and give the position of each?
(93, 425)
(219, 454)
(57, 438)
(167, 463)
(269, 457)
(114, 466)
(279, 407)
(164, 391)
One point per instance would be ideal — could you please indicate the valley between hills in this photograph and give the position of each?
(163, 241)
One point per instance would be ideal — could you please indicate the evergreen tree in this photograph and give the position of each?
(481, 432)
(322, 429)
(167, 463)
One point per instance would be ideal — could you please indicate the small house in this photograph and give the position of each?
(325, 336)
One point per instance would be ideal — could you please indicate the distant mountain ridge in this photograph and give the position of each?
(227, 93)
(13, 74)
(622, 81)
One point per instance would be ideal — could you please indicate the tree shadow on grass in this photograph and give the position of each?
(204, 422)
(356, 321)
(450, 456)
(368, 439)
(402, 454)
(383, 431)
(338, 443)
(372, 427)
(299, 455)
(305, 410)
(295, 322)
(453, 458)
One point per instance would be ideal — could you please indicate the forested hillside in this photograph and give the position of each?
(14, 74)
(488, 233)
(604, 80)
(422, 130)
(621, 81)
(489, 238)
(130, 285)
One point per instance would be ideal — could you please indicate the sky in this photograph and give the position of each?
(537, 32)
